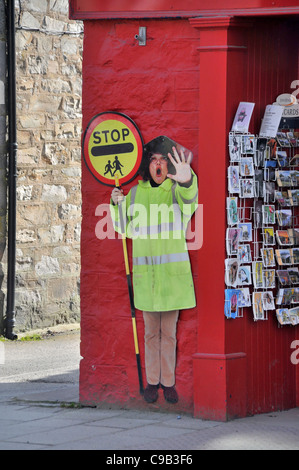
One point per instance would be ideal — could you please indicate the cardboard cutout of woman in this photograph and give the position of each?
(158, 210)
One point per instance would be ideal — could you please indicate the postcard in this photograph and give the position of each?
(246, 232)
(284, 277)
(295, 254)
(244, 297)
(271, 149)
(287, 317)
(295, 177)
(257, 305)
(284, 257)
(257, 274)
(288, 296)
(231, 303)
(269, 278)
(268, 214)
(282, 139)
(268, 257)
(233, 179)
(246, 167)
(284, 178)
(261, 144)
(268, 236)
(269, 191)
(292, 138)
(284, 217)
(233, 236)
(295, 299)
(234, 143)
(231, 272)
(244, 254)
(282, 158)
(244, 275)
(242, 118)
(294, 234)
(258, 182)
(284, 237)
(248, 144)
(247, 188)
(257, 213)
(260, 154)
(294, 315)
(283, 198)
(282, 315)
(232, 210)
(294, 275)
(285, 296)
(294, 197)
(268, 300)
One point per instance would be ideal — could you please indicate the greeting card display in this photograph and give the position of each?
(262, 235)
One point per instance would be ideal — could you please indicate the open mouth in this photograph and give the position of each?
(158, 172)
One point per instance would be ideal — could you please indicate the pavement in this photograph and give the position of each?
(40, 410)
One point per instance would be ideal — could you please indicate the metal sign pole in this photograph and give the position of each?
(130, 290)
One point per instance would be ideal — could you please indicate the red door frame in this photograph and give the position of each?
(100, 9)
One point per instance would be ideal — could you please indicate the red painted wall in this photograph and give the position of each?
(157, 86)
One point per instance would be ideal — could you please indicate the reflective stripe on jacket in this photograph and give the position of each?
(156, 220)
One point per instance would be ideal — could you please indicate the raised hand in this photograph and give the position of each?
(181, 165)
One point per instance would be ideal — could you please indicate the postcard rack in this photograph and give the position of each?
(262, 234)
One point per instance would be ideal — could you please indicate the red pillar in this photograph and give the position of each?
(220, 361)
(297, 368)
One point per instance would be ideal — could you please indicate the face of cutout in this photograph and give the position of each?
(158, 168)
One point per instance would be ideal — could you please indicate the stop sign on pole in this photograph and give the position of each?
(112, 148)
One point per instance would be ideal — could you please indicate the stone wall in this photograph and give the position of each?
(49, 59)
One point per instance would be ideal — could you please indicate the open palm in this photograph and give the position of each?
(182, 166)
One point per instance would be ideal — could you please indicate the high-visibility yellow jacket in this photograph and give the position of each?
(156, 219)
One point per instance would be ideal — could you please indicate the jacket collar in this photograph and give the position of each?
(166, 185)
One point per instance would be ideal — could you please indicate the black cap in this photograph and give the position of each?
(163, 145)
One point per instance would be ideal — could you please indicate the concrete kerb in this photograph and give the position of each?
(51, 330)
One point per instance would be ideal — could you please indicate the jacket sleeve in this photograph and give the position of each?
(187, 197)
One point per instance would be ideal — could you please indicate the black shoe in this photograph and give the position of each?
(151, 393)
(170, 394)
